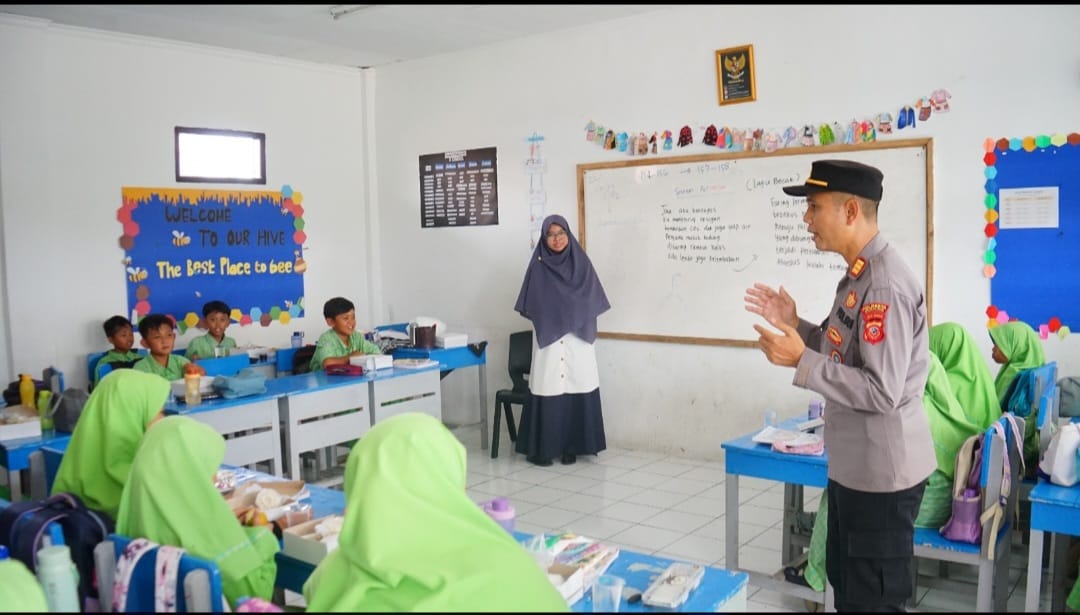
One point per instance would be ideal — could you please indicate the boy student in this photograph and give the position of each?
(121, 335)
(158, 336)
(214, 343)
(342, 340)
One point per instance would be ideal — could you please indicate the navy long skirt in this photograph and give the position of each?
(568, 424)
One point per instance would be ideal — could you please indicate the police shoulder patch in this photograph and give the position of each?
(873, 316)
(857, 267)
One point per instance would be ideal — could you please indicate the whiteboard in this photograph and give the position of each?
(676, 241)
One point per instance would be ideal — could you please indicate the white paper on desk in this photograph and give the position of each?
(793, 438)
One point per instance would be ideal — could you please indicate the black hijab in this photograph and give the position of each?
(561, 293)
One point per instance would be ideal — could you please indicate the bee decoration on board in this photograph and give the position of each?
(180, 239)
(137, 274)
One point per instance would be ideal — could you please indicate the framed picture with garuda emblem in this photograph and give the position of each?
(735, 74)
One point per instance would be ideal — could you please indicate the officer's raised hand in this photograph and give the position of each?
(784, 348)
(761, 299)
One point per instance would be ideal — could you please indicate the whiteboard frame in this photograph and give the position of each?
(926, 143)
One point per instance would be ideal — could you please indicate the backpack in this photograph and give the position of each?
(66, 408)
(301, 361)
(24, 524)
(969, 511)
(1069, 404)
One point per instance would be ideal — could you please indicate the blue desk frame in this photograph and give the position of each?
(744, 457)
(450, 359)
(1054, 509)
(17, 454)
(717, 589)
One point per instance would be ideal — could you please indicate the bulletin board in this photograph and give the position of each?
(185, 247)
(676, 241)
(1033, 231)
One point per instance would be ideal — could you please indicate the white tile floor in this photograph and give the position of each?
(674, 507)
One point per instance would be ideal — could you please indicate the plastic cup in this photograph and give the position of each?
(607, 593)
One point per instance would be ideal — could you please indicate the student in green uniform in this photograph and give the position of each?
(968, 372)
(215, 343)
(170, 499)
(1016, 348)
(158, 336)
(412, 540)
(113, 421)
(342, 340)
(20, 591)
(121, 335)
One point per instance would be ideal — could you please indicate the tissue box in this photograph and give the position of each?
(19, 422)
(382, 361)
(451, 340)
(572, 587)
(301, 541)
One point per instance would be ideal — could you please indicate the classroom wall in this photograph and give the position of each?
(82, 114)
(85, 112)
(1011, 70)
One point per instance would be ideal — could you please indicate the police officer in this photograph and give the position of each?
(869, 358)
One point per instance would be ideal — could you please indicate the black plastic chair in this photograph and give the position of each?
(519, 364)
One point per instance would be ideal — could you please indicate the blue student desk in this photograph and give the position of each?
(312, 411)
(720, 590)
(15, 455)
(744, 457)
(249, 423)
(450, 359)
(1054, 509)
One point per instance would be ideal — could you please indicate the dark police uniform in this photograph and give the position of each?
(869, 358)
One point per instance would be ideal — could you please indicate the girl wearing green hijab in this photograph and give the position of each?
(20, 591)
(412, 540)
(969, 375)
(170, 499)
(113, 421)
(1017, 347)
(949, 427)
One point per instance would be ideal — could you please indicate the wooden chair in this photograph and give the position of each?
(225, 366)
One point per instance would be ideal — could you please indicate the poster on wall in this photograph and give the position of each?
(459, 188)
(184, 247)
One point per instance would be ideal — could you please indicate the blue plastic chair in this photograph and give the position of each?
(993, 574)
(225, 366)
(198, 582)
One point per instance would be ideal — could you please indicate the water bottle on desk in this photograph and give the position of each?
(502, 512)
(770, 417)
(816, 411)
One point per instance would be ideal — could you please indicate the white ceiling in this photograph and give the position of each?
(371, 35)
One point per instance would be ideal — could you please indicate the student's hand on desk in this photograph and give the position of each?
(784, 348)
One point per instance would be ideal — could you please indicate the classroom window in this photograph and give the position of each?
(220, 156)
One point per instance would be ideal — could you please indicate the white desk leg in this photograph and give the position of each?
(15, 484)
(38, 489)
(1034, 571)
(483, 406)
(731, 516)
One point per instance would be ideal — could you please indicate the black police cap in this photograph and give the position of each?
(841, 176)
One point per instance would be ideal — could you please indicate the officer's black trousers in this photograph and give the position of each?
(869, 553)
